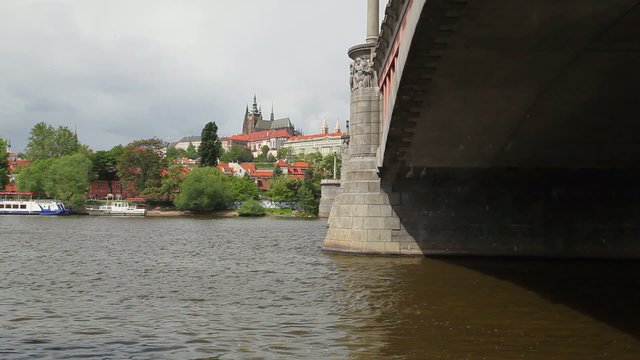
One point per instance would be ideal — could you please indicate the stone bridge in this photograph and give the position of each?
(494, 127)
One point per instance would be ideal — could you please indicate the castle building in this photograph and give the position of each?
(325, 142)
(253, 121)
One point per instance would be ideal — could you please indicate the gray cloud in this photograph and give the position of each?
(125, 70)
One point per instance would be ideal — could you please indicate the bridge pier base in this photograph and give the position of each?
(362, 219)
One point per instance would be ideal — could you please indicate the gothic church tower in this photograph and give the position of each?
(251, 117)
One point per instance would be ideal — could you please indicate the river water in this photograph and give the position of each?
(200, 288)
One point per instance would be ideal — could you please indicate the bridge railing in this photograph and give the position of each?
(398, 27)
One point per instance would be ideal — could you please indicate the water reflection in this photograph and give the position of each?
(488, 309)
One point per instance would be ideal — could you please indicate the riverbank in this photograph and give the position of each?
(275, 213)
(177, 213)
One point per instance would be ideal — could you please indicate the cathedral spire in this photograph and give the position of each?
(325, 128)
(271, 117)
(254, 107)
(337, 128)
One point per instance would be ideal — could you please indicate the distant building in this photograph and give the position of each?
(186, 141)
(253, 121)
(325, 143)
(274, 139)
(15, 164)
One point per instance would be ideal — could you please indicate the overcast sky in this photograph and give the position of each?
(122, 70)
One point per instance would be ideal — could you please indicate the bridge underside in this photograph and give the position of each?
(516, 129)
(542, 83)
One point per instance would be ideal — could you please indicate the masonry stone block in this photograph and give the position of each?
(392, 248)
(357, 234)
(376, 247)
(392, 223)
(372, 222)
(357, 222)
(355, 246)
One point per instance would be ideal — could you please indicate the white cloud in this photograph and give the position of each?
(126, 70)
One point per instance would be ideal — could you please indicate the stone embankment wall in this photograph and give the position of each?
(328, 192)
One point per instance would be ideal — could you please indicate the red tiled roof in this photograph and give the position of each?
(264, 173)
(224, 167)
(281, 163)
(249, 167)
(300, 164)
(314, 136)
(257, 136)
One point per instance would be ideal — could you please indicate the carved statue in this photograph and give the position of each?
(362, 73)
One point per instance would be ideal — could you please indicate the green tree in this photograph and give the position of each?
(277, 171)
(203, 190)
(283, 189)
(105, 163)
(241, 188)
(68, 179)
(210, 147)
(325, 166)
(175, 153)
(33, 178)
(141, 164)
(284, 153)
(313, 158)
(251, 207)
(191, 152)
(309, 193)
(307, 201)
(4, 164)
(65, 178)
(262, 157)
(237, 153)
(271, 158)
(172, 177)
(46, 142)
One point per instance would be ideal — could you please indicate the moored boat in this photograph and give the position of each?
(117, 208)
(22, 203)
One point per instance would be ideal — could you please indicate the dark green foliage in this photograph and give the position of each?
(325, 166)
(191, 152)
(307, 201)
(46, 142)
(262, 157)
(202, 190)
(210, 148)
(313, 158)
(309, 193)
(283, 189)
(174, 153)
(277, 171)
(105, 164)
(141, 163)
(241, 188)
(251, 208)
(238, 154)
(33, 178)
(4, 164)
(65, 178)
(284, 153)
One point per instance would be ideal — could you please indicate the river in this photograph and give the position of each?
(201, 288)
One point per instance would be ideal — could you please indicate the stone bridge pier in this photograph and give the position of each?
(362, 218)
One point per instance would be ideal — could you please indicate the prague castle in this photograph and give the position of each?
(253, 121)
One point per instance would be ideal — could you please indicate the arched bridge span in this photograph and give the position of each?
(497, 128)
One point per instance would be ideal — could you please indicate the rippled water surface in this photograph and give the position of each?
(197, 288)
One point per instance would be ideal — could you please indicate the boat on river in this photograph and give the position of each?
(117, 208)
(22, 203)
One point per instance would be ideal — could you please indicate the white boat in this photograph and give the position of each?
(117, 208)
(22, 203)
